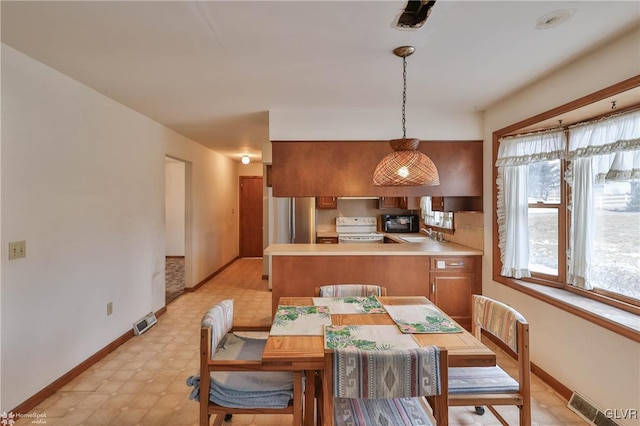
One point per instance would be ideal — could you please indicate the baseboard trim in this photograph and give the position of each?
(49, 390)
(561, 389)
(556, 385)
(204, 281)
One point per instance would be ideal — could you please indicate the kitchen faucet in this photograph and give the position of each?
(436, 236)
(429, 232)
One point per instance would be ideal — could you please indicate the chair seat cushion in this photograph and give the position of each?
(268, 389)
(477, 380)
(382, 412)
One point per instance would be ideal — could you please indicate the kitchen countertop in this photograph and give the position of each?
(431, 248)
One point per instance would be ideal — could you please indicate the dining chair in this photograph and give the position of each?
(489, 386)
(386, 387)
(231, 370)
(343, 290)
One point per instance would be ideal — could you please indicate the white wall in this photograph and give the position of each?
(211, 217)
(174, 211)
(83, 183)
(371, 125)
(598, 363)
(251, 169)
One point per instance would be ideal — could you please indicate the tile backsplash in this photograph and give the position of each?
(468, 230)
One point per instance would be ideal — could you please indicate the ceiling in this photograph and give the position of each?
(212, 70)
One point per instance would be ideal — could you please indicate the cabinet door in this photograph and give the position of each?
(437, 204)
(326, 202)
(410, 203)
(451, 292)
(402, 202)
(456, 204)
(389, 202)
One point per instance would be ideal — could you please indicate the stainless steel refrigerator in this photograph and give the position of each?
(295, 220)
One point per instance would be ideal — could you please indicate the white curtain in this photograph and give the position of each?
(425, 208)
(608, 148)
(513, 230)
(582, 222)
(514, 155)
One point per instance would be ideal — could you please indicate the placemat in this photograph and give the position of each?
(421, 319)
(351, 304)
(300, 320)
(367, 337)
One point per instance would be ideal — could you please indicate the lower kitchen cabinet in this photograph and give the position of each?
(453, 280)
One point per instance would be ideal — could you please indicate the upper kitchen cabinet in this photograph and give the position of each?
(405, 203)
(329, 203)
(345, 169)
(456, 204)
(389, 202)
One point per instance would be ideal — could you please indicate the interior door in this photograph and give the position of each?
(250, 216)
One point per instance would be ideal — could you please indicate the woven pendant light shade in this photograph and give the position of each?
(405, 166)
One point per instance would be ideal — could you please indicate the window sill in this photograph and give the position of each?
(617, 320)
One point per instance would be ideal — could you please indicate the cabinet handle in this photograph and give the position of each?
(433, 287)
(456, 264)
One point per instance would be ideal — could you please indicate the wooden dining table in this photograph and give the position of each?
(306, 352)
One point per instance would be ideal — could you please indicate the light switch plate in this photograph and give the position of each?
(441, 264)
(17, 249)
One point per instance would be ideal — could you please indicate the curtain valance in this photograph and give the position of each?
(611, 134)
(531, 148)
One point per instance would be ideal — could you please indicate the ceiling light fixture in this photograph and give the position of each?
(245, 159)
(405, 166)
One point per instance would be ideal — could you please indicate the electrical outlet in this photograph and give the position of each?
(109, 308)
(17, 249)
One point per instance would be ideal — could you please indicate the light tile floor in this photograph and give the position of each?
(143, 381)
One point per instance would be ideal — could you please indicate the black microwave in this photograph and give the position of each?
(400, 223)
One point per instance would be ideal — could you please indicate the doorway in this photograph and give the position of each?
(251, 216)
(175, 228)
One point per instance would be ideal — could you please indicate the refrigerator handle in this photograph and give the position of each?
(292, 220)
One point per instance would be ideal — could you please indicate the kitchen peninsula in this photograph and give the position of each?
(446, 273)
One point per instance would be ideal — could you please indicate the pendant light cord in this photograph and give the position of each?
(404, 96)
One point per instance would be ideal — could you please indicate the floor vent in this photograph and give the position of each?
(589, 411)
(144, 323)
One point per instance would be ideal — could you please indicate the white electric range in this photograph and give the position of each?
(358, 230)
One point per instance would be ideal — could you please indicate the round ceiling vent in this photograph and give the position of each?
(554, 19)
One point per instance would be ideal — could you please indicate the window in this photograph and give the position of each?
(615, 264)
(543, 191)
(584, 235)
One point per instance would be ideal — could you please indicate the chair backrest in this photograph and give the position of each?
(220, 320)
(499, 320)
(395, 373)
(343, 290)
